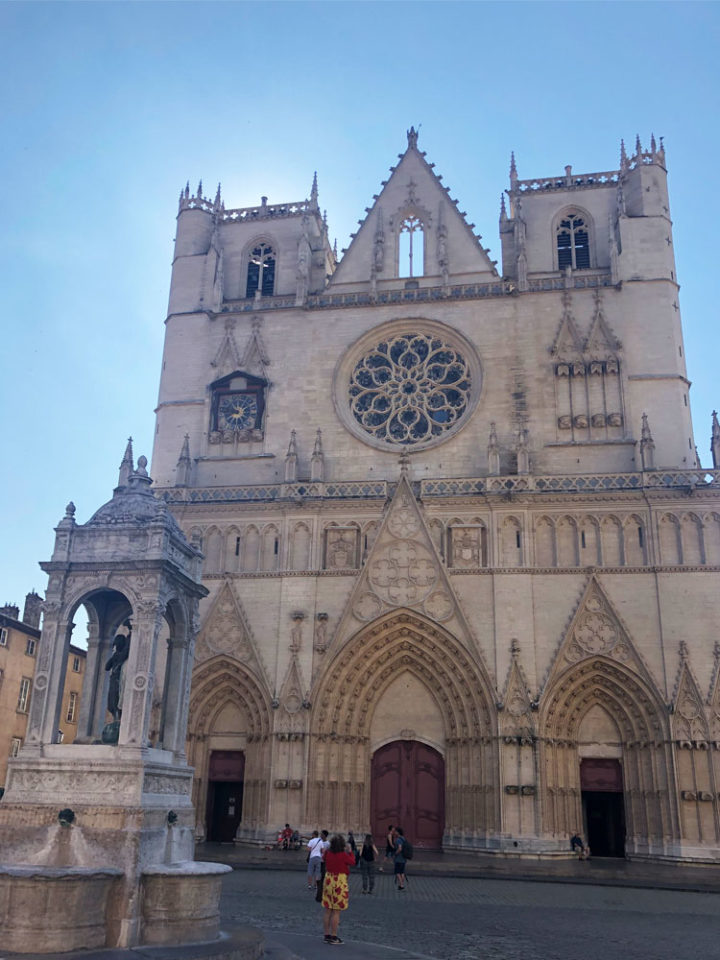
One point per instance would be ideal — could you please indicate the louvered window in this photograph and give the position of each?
(573, 243)
(261, 271)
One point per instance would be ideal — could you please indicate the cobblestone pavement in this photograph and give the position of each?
(471, 919)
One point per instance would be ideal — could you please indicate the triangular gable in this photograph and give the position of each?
(293, 690)
(414, 189)
(227, 357)
(688, 719)
(596, 630)
(600, 339)
(226, 632)
(516, 718)
(255, 359)
(403, 570)
(568, 343)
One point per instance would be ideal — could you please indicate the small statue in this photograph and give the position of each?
(115, 664)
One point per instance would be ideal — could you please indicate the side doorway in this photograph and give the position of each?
(225, 794)
(408, 790)
(601, 783)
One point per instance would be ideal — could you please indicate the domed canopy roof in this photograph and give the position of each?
(135, 503)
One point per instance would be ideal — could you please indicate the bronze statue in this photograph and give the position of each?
(115, 664)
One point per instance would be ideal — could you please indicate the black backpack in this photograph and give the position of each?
(407, 849)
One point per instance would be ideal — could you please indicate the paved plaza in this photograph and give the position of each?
(452, 918)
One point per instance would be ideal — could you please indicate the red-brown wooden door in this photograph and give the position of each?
(225, 794)
(408, 790)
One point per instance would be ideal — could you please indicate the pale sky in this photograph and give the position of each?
(108, 108)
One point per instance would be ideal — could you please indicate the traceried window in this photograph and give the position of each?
(411, 247)
(237, 409)
(261, 271)
(410, 389)
(573, 242)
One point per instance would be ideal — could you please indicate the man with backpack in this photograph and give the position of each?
(402, 853)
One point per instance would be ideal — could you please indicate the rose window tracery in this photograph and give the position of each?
(410, 389)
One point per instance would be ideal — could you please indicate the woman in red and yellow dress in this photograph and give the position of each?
(335, 898)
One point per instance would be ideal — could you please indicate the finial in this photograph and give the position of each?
(646, 434)
(335, 248)
(503, 211)
(126, 465)
(647, 445)
(513, 170)
(218, 199)
(187, 190)
(638, 146)
(493, 440)
(317, 449)
(623, 156)
(199, 190)
(70, 511)
(683, 650)
(291, 460)
(404, 463)
(317, 461)
(412, 137)
(314, 192)
(715, 441)
(292, 446)
(653, 145)
(514, 648)
(184, 464)
(325, 220)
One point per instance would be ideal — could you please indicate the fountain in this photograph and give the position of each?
(97, 836)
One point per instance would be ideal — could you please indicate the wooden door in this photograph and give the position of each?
(408, 790)
(225, 794)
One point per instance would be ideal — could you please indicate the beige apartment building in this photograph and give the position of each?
(19, 647)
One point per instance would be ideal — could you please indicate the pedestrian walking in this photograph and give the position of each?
(336, 897)
(319, 883)
(314, 860)
(390, 843)
(399, 858)
(368, 855)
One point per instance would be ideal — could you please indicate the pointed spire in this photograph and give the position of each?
(218, 199)
(715, 441)
(653, 145)
(624, 162)
(199, 190)
(184, 465)
(317, 461)
(503, 211)
(647, 445)
(126, 466)
(291, 460)
(493, 452)
(314, 192)
(335, 250)
(187, 190)
(638, 147)
(513, 171)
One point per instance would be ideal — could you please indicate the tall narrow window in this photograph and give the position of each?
(15, 745)
(3, 637)
(30, 647)
(76, 664)
(72, 707)
(24, 695)
(261, 271)
(573, 243)
(411, 252)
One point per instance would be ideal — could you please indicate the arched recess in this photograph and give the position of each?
(346, 695)
(218, 684)
(637, 710)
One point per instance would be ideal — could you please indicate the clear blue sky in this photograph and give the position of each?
(108, 108)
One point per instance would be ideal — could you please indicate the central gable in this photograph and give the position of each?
(414, 208)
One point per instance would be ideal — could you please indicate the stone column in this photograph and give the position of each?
(92, 690)
(49, 679)
(146, 622)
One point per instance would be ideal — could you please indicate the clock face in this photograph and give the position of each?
(237, 411)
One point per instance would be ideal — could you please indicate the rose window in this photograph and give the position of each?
(410, 389)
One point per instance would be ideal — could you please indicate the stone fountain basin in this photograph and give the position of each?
(181, 902)
(56, 909)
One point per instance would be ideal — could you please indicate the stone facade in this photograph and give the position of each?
(447, 504)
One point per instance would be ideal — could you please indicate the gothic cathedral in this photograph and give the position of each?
(462, 559)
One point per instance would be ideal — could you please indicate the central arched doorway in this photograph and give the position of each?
(408, 789)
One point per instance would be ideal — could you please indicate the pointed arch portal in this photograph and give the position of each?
(408, 789)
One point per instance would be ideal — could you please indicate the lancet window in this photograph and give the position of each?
(411, 247)
(573, 242)
(261, 271)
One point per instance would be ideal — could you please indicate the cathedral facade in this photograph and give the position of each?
(462, 559)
